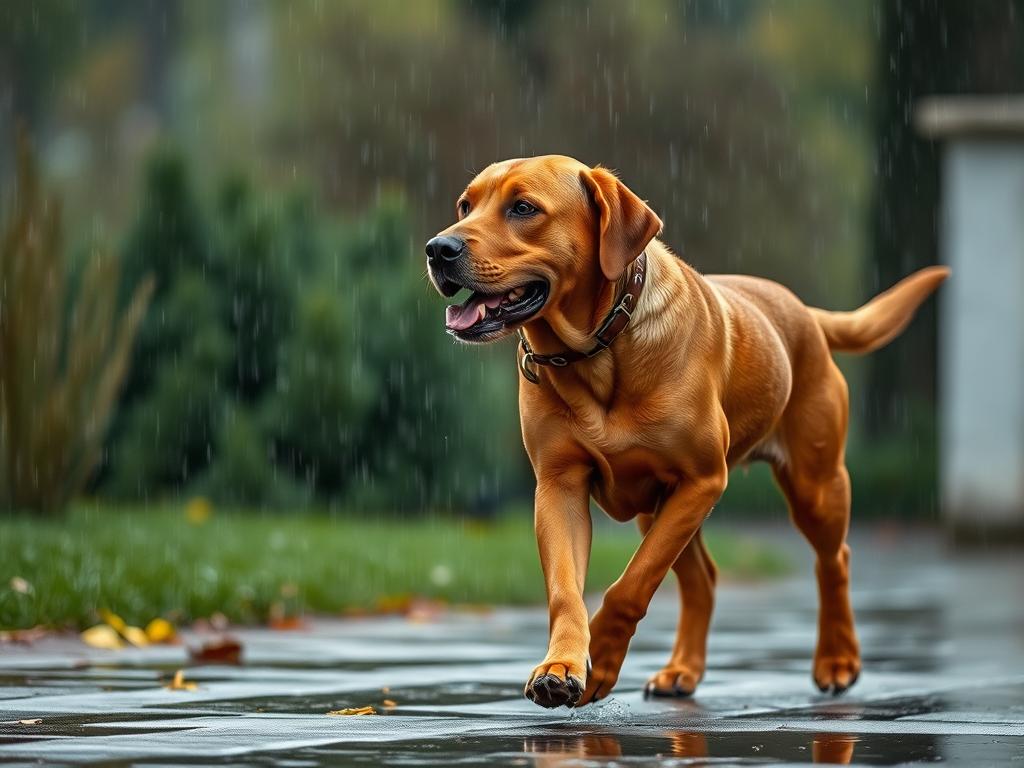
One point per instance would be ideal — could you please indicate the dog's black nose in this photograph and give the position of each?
(445, 248)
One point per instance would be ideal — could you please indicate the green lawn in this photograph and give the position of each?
(142, 563)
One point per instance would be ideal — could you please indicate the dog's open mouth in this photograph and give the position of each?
(486, 313)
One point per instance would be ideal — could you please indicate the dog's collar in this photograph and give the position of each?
(615, 322)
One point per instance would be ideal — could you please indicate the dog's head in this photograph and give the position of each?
(532, 235)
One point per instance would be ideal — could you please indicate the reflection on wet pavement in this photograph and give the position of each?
(943, 641)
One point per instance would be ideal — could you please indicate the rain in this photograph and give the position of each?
(253, 481)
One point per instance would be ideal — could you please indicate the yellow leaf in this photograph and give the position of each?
(354, 711)
(389, 704)
(160, 631)
(135, 636)
(113, 620)
(102, 636)
(179, 683)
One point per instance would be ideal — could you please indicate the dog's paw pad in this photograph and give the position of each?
(552, 691)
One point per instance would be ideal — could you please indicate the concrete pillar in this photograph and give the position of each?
(981, 332)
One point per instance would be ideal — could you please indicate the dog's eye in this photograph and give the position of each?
(463, 207)
(522, 208)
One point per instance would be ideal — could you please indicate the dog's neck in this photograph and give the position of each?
(572, 324)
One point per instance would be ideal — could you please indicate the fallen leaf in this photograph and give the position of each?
(179, 683)
(160, 631)
(135, 636)
(353, 711)
(102, 636)
(20, 586)
(223, 650)
(113, 620)
(35, 721)
(388, 703)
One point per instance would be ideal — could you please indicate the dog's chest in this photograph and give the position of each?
(628, 486)
(636, 455)
(632, 481)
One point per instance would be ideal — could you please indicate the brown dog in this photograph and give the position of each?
(643, 383)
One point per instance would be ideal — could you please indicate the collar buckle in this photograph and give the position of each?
(527, 359)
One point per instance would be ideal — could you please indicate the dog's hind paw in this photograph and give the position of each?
(675, 681)
(834, 675)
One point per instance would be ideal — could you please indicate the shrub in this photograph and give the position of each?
(60, 371)
(290, 357)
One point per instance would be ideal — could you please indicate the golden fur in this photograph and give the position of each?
(711, 372)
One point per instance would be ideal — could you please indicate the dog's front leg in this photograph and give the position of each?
(563, 527)
(626, 601)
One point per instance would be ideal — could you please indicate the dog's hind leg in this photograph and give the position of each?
(814, 479)
(696, 574)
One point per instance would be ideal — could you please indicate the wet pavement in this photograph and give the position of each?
(943, 681)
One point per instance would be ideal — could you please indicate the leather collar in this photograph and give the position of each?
(615, 322)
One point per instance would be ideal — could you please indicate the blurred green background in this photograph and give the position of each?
(276, 166)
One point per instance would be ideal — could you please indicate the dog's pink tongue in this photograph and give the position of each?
(459, 317)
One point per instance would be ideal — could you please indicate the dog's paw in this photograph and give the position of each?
(610, 633)
(676, 680)
(834, 674)
(600, 681)
(551, 685)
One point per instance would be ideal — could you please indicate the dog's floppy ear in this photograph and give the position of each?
(625, 224)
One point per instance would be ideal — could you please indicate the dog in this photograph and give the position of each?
(643, 383)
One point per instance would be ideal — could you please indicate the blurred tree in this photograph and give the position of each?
(374, 405)
(926, 47)
(221, 307)
(60, 370)
(324, 391)
(261, 284)
(288, 357)
(167, 430)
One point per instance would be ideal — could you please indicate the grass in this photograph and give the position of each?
(142, 563)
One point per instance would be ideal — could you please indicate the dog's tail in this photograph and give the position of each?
(883, 318)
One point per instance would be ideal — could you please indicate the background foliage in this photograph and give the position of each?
(277, 166)
(289, 358)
